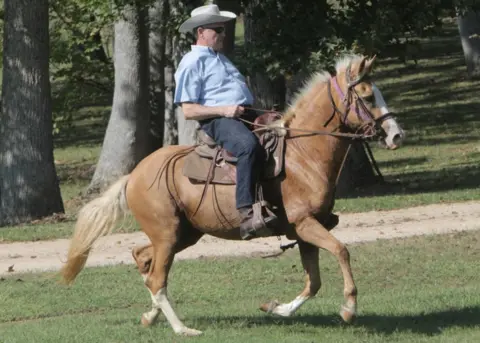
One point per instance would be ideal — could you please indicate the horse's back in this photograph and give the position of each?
(158, 185)
(147, 184)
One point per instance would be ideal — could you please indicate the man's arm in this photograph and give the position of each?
(193, 111)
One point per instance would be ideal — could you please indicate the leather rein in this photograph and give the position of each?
(349, 99)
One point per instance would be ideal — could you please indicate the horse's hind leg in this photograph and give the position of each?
(143, 255)
(309, 255)
(311, 231)
(164, 241)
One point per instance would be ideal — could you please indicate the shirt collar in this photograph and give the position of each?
(203, 48)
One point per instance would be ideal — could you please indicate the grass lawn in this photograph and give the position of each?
(422, 289)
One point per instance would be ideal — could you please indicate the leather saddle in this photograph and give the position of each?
(209, 162)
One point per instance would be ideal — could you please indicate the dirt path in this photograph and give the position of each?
(353, 228)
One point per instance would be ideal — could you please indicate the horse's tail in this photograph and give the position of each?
(96, 219)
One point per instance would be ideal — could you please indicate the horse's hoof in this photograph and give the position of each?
(146, 321)
(269, 307)
(348, 314)
(276, 308)
(189, 332)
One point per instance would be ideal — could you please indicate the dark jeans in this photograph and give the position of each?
(237, 139)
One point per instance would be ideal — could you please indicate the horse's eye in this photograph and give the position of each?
(369, 98)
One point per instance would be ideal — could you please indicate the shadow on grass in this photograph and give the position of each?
(433, 88)
(445, 43)
(88, 129)
(424, 323)
(402, 162)
(461, 177)
(75, 171)
(428, 324)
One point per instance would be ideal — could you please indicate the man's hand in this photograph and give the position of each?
(233, 111)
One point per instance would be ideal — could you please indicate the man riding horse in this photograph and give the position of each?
(211, 90)
(326, 114)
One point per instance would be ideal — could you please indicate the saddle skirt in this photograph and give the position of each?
(209, 162)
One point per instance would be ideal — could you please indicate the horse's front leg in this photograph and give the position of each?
(311, 231)
(309, 255)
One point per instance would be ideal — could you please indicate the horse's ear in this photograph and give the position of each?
(369, 63)
(366, 66)
(361, 67)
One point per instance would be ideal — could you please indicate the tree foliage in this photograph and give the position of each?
(291, 36)
(80, 64)
(294, 35)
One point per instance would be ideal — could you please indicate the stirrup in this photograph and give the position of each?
(263, 211)
(260, 224)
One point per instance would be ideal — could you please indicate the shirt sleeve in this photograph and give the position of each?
(188, 83)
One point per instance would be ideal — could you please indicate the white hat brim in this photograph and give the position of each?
(205, 19)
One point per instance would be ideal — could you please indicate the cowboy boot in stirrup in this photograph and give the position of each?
(257, 221)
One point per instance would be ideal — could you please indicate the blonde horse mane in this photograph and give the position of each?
(315, 78)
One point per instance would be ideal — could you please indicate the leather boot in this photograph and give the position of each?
(257, 221)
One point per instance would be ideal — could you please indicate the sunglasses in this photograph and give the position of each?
(218, 29)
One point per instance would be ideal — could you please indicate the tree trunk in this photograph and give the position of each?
(294, 83)
(469, 29)
(268, 93)
(177, 129)
(171, 127)
(187, 129)
(158, 15)
(229, 41)
(126, 141)
(29, 187)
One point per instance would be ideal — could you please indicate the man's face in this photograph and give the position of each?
(212, 35)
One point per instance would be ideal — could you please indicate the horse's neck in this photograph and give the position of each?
(321, 156)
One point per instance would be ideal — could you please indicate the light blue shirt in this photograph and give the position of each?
(210, 79)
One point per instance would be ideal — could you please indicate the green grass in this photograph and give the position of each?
(422, 289)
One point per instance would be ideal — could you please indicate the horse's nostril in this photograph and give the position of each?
(397, 139)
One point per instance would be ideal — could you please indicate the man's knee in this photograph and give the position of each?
(251, 146)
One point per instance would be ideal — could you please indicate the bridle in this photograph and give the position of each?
(352, 98)
(370, 127)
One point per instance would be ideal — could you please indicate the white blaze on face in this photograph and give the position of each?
(395, 134)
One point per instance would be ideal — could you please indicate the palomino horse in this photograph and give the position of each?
(163, 200)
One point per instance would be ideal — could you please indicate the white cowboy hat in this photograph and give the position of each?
(204, 15)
